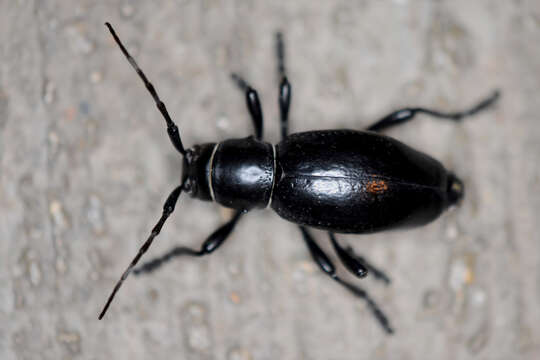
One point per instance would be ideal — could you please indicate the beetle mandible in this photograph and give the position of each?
(341, 181)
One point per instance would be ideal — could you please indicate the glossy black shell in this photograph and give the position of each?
(356, 182)
(242, 173)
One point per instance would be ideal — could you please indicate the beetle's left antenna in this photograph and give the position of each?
(172, 129)
(168, 208)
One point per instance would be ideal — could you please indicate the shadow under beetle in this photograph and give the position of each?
(341, 181)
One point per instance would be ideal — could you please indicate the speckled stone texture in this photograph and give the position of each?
(86, 166)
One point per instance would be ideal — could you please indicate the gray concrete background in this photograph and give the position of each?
(86, 165)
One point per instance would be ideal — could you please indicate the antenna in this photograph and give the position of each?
(172, 129)
(168, 208)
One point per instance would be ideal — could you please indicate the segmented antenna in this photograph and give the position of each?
(172, 129)
(168, 208)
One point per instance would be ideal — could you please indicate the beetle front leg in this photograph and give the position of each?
(326, 265)
(215, 240)
(253, 104)
(407, 114)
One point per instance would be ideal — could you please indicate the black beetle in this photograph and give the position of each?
(341, 181)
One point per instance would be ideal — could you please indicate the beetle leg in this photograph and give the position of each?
(357, 264)
(329, 269)
(407, 114)
(284, 87)
(253, 104)
(352, 263)
(215, 240)
(376, 272)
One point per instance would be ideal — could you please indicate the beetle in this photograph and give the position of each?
(340, 181)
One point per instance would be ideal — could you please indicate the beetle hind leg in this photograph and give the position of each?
(376, 272)
(357, 264)
(326, 265)
(403, 115)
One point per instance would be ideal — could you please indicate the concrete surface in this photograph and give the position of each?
(86, 165)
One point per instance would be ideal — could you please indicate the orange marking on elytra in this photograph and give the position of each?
(376, 186)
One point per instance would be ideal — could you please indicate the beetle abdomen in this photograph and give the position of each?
(356, 182)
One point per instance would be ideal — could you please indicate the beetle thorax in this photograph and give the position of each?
(236, 173)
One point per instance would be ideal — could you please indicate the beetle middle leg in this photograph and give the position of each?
(215, 240)
(326, 265)
(253, 104)
(284, 87)
(403, 115)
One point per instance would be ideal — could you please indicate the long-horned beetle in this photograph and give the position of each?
(341, 181)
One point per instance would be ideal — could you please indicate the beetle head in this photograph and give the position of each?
(454, 189)
(196, 171)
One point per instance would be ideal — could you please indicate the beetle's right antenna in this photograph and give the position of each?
(172, 129)
(168, 208)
